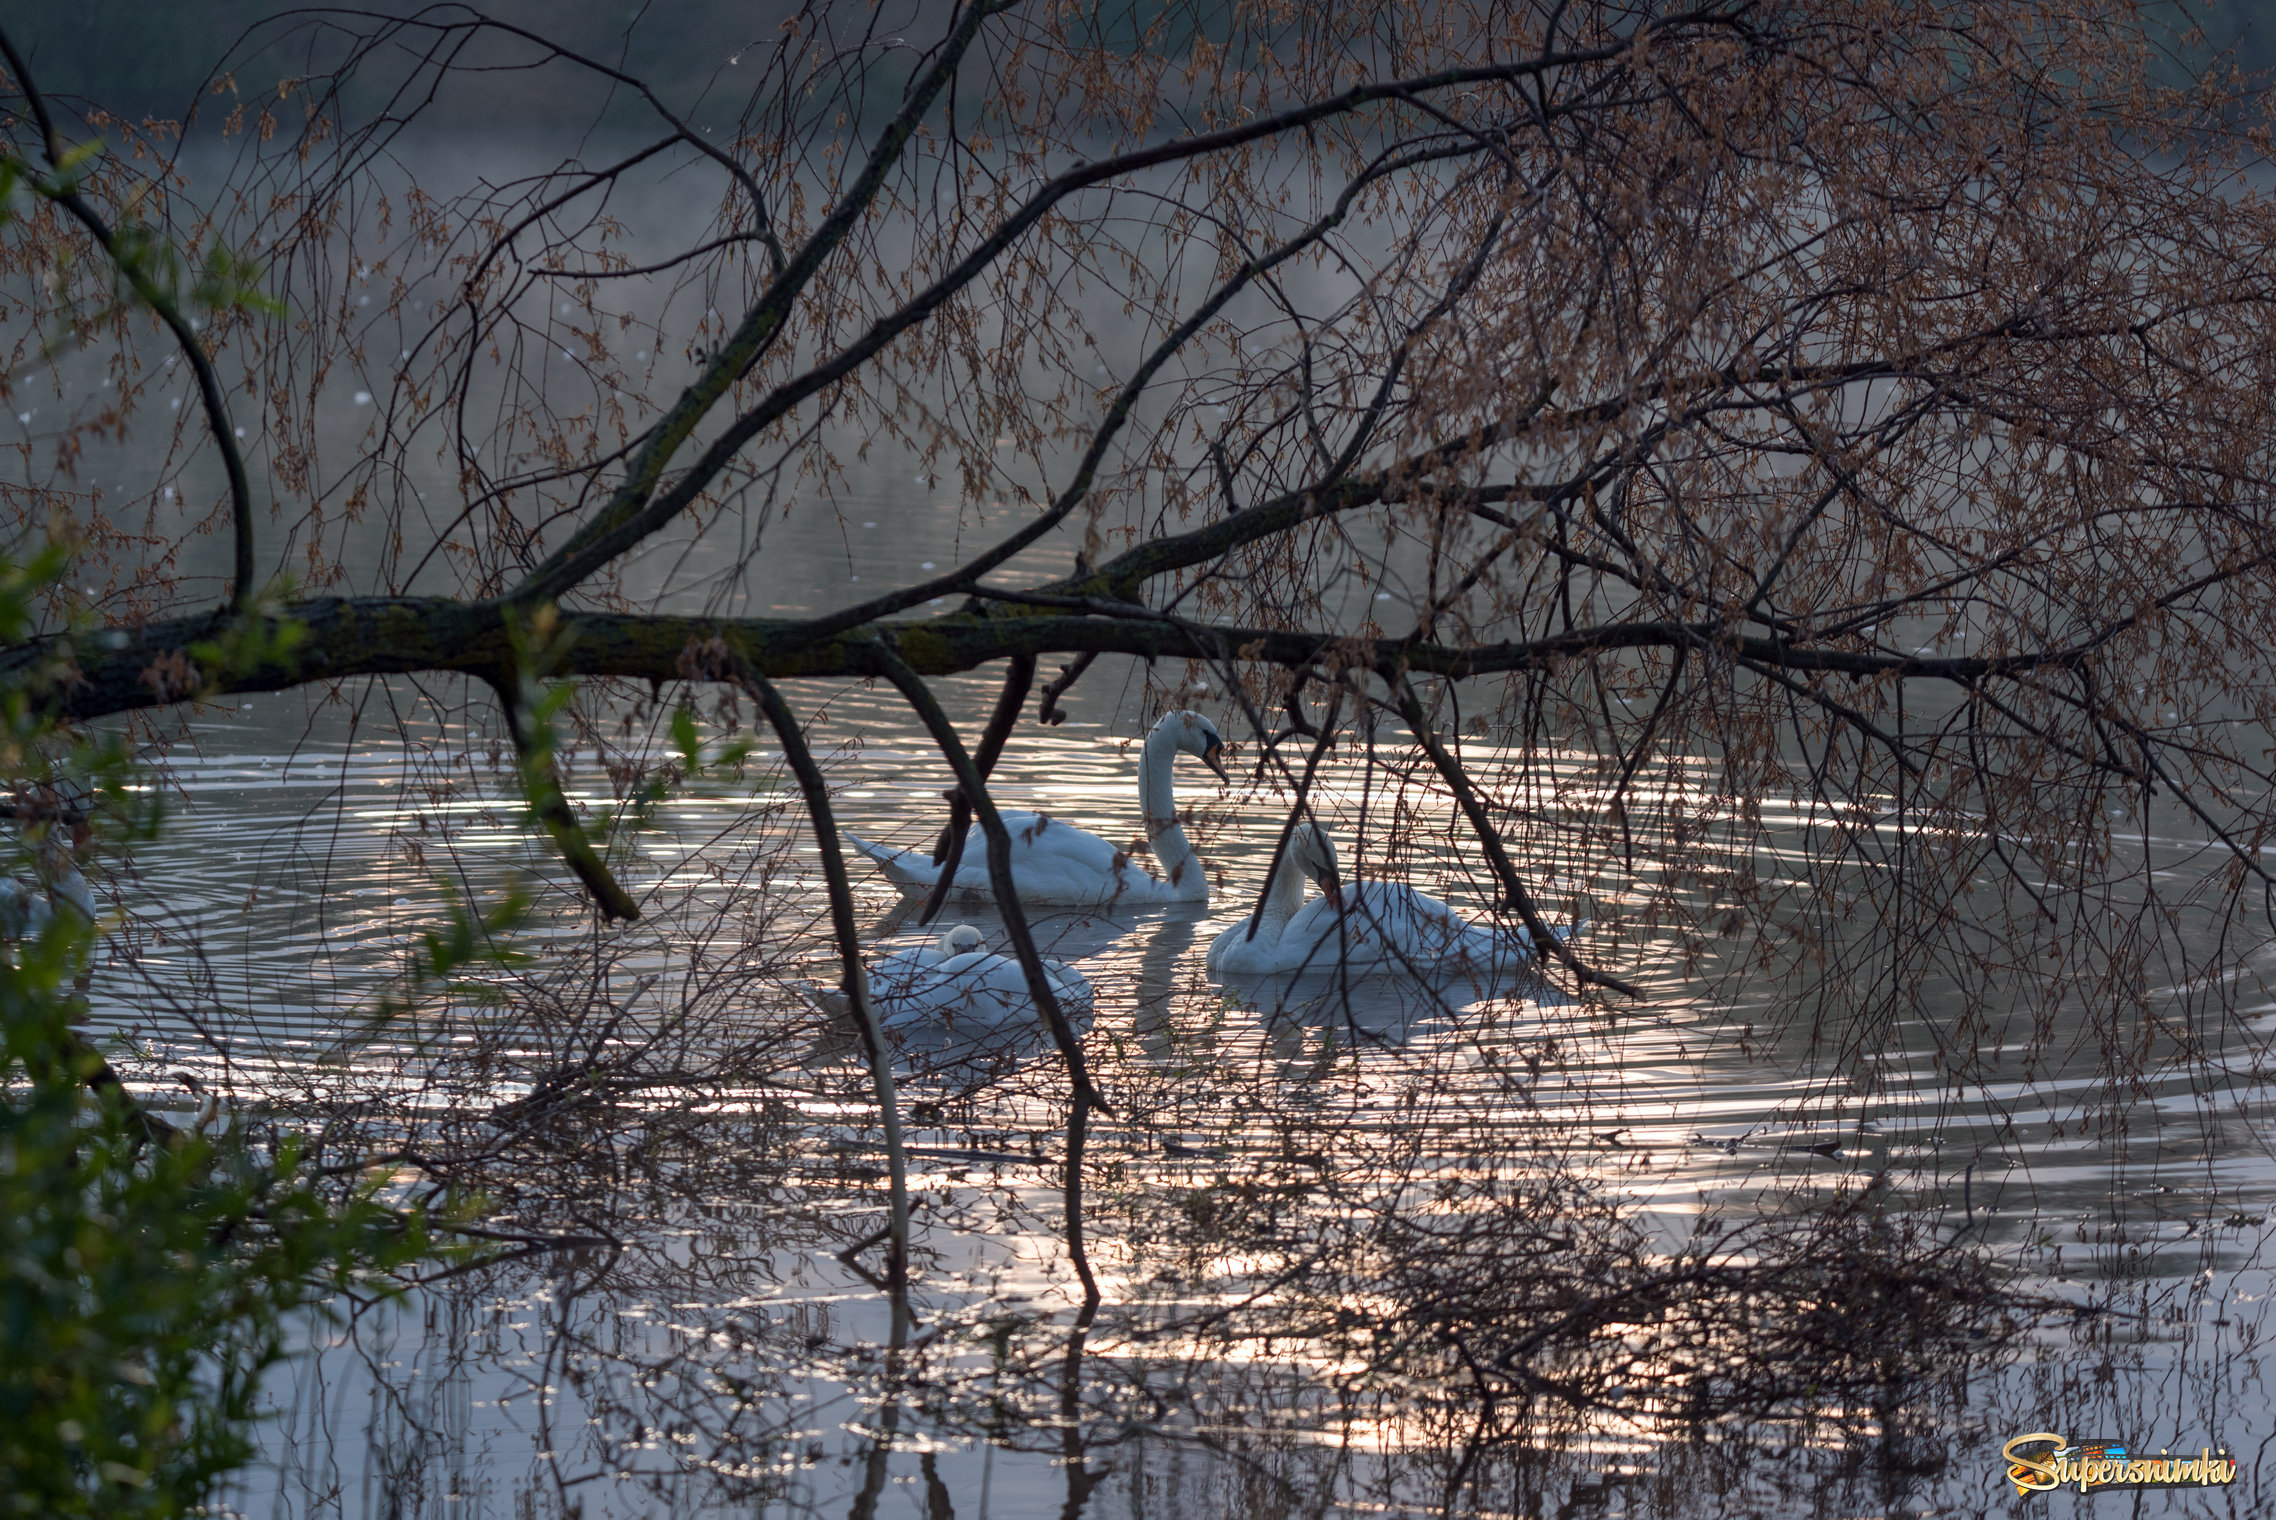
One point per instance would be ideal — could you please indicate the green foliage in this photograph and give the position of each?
(229, 281)
(144, 1288)
(539, 642)
(689, 763)
(468, 939)
(148, 1277)
(36, 766)
(541, 639)
(243, 645)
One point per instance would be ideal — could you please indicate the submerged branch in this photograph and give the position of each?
(838, 885)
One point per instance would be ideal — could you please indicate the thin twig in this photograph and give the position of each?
(949, 853)
(1489, 838)
(209, 384)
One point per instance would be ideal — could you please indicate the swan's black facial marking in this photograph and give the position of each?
(1213, 753)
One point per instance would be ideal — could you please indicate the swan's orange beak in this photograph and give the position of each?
(1330, 882)
(1212, 756)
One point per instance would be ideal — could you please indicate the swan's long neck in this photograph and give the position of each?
(1283, 895)
(1158, 802)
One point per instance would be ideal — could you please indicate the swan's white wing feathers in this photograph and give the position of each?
(1052, 861)
(1391, 927)
(909, 868)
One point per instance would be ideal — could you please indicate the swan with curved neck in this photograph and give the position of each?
(1368, 928)
(1260, 943)
(1055, 862)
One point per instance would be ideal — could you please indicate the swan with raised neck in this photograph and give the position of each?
(1157, 800)
(1055, 862)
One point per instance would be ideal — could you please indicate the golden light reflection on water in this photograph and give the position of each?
(295, 882)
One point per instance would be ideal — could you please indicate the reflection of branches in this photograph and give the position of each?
(856, 978)
(1083, 1095)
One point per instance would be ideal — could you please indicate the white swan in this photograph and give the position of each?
(1237, 952)
(896, 973)
(958, 984)
(28, 907)
(1054, 862)
(1370, 928)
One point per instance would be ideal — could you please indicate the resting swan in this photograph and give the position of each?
(958, 984)
(1371, 928)
(28, 907)
(1054, 862)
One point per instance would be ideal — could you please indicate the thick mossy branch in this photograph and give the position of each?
(121, 670)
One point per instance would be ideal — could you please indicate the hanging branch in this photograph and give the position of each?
(1047, 711)
(1085, 1095)
(1325, 741)
(1017, 680)
(1489, 838)
(948, 853)
(800, 759)
(532, 735)
(130, 264)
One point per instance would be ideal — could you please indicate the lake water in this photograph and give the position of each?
(710, 1349)
(597, 1378)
